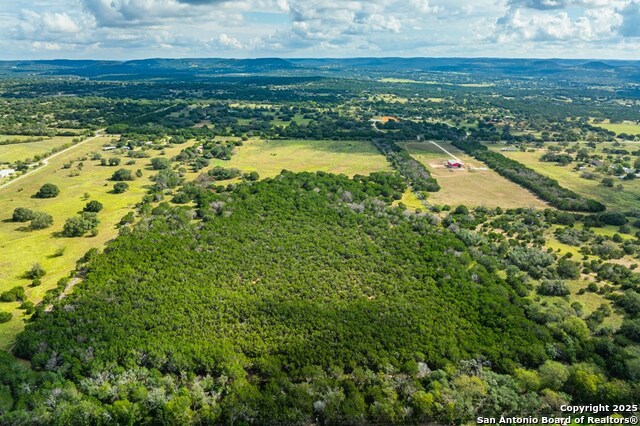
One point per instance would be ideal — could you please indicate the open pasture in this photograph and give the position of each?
(28, 150)
(269, 158)
(476, 187)
(613, 198)
(627, 127)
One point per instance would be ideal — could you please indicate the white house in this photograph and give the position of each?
(6, 173)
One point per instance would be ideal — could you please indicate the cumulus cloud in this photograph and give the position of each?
(45, 24)
(226, 42)
(118, 13)
(563, 4)
(630, 26)
(517, 25)
(327, 23)
(46, 46)
(550, 21)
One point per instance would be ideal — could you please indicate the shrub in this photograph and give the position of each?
(41, 221)
(553, 288)
(93, 206)
(607, 182)
(36, 271)
(122, 175)
(79, 225)
(28, 307)
(631, 329)
(160, 163)
(5, 317)
(22, 214)
(13, 295)
(48, 190)
(616, 219)
(220, 173)
(252, 176)
(568, 269)
(120, 188)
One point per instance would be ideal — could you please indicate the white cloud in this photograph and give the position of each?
(225, 42)
(329, 24)
(46, 24)
(630, 26)
(322, 27)
(46, 46)
(550, 21)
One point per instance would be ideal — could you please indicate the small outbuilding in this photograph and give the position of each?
(454, 164)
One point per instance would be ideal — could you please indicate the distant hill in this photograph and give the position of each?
(477, 68)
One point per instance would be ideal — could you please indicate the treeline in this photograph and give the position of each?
(544, 187)
(414, 171)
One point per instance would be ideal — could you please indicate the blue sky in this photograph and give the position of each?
(127, 29)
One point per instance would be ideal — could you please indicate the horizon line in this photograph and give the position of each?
(324, 58)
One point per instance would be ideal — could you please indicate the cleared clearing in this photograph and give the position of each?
(627, 198)
(627, 127)
(471, 188)
(23, 151)
(410, 200)
(269, 158)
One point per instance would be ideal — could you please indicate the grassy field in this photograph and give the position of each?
(410, 200)
(22, 151)
(269, 158)
(409, 81)
(22, 248)
(627, 127)
(472, 188)
(627, 198)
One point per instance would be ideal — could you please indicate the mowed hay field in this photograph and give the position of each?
(23, 151)
(22, 248)
(627, 198)
(471, 188)
(627, 127)
(269, 158)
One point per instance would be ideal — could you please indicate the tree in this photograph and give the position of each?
(166, 179)
(568, 269)
(220, 173)
(41, 221)
(120, 188)
(79, 225)
(122, 175)
(553, 288)
(15, 294)
(22, 214)
(630, 302)
(48, 190)
(553, 375)
(93, 206)
(36, 271)
(160, 163)
(5, 317)
(631, 329)
(252, 176)
(615, 219)
(607, 182)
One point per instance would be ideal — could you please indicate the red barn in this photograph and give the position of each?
(454, 164)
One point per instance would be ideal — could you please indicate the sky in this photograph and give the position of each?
(134, 29)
